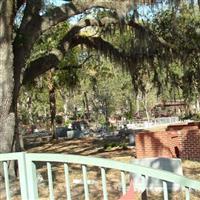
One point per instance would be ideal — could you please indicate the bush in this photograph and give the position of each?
(68, 122)
(109, 146)
(112, 128)
(59, 119)
(101, 120)
(195, 117)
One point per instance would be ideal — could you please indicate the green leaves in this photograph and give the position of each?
(180, 28)
(49, 40)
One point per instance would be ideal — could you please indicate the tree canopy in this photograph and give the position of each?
(143, 43)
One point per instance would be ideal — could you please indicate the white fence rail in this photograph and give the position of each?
(153, 122)
(29, 183)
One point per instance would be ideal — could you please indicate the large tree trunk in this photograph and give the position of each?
(7, 117)
(18, 63)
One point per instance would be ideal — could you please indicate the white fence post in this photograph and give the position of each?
(23, 176)
(32, 178)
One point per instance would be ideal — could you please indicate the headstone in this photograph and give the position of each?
(74, 134)
(61, 131)
(131, 139)
(70, 134)
(156, 185)
(21, 140)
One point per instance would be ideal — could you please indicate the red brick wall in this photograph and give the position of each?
(183, 143)
(182, 127)
(156, 144)
(194, 124)
(190, 145)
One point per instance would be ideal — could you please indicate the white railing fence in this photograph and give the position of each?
(28, 179)
(153, 122)
(5, 159)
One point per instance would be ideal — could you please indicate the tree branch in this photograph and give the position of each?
(45, 63)
(106, 21)
(72, 39)
(161, 40)
(57, 15)
(64, 12)
(40, 66)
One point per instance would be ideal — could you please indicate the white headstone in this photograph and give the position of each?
(152, 184)
(131, 139)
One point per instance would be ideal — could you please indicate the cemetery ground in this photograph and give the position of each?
(98, 148)
(90, 146)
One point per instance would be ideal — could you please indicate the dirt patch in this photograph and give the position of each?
(85, 147)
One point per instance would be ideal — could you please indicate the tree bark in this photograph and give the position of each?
(146, 107)
(197, 105)
(138, 105)
(130, 107)
(52, 102)
(7, 117)
(86, 106)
